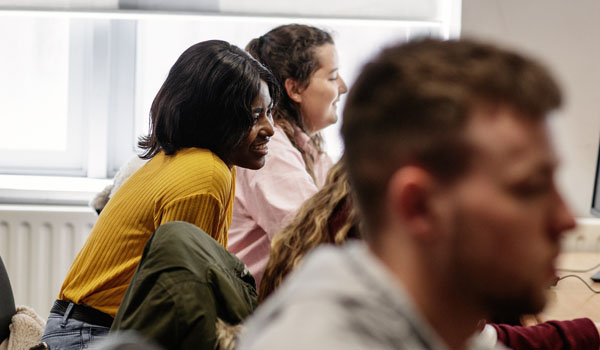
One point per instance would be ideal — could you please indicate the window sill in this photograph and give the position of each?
(57, 190)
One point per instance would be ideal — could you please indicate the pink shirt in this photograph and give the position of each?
(266, 199)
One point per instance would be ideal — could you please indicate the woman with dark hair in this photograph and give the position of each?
(213, 112)
(304, 61)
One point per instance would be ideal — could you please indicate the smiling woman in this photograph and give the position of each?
(203, 123)
(305, 61)
(252, 150)
(318, 100)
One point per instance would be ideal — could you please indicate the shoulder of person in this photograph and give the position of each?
(205, 162)
(200, 171)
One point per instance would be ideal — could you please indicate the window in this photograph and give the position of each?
(76, 88)
(40, 126)
(67, 80)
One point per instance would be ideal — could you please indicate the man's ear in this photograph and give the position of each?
(293, 89)
(410, 193)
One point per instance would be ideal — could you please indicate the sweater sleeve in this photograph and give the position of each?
(579, 333)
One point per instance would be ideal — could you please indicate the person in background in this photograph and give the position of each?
(450, 161)
(329, 217)
(213, 112)
(305, 62)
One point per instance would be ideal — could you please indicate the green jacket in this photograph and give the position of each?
(184, 282)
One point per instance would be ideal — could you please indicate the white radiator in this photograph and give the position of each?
(38, 244)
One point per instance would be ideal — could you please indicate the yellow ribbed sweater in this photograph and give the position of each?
(194, 185)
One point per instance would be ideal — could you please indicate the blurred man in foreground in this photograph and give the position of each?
(453, 170)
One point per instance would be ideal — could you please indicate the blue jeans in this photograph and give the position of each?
(63, 332)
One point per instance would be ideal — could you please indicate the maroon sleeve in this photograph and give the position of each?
(580, 333)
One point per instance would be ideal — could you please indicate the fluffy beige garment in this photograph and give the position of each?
(26, 329)
(226, 335)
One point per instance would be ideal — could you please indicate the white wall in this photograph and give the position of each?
(565, 35)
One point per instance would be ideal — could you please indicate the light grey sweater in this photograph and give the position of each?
(342, 298)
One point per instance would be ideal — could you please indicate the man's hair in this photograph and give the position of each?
(206, 100)
(411, 103)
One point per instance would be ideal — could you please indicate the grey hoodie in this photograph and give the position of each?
(342, 298)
